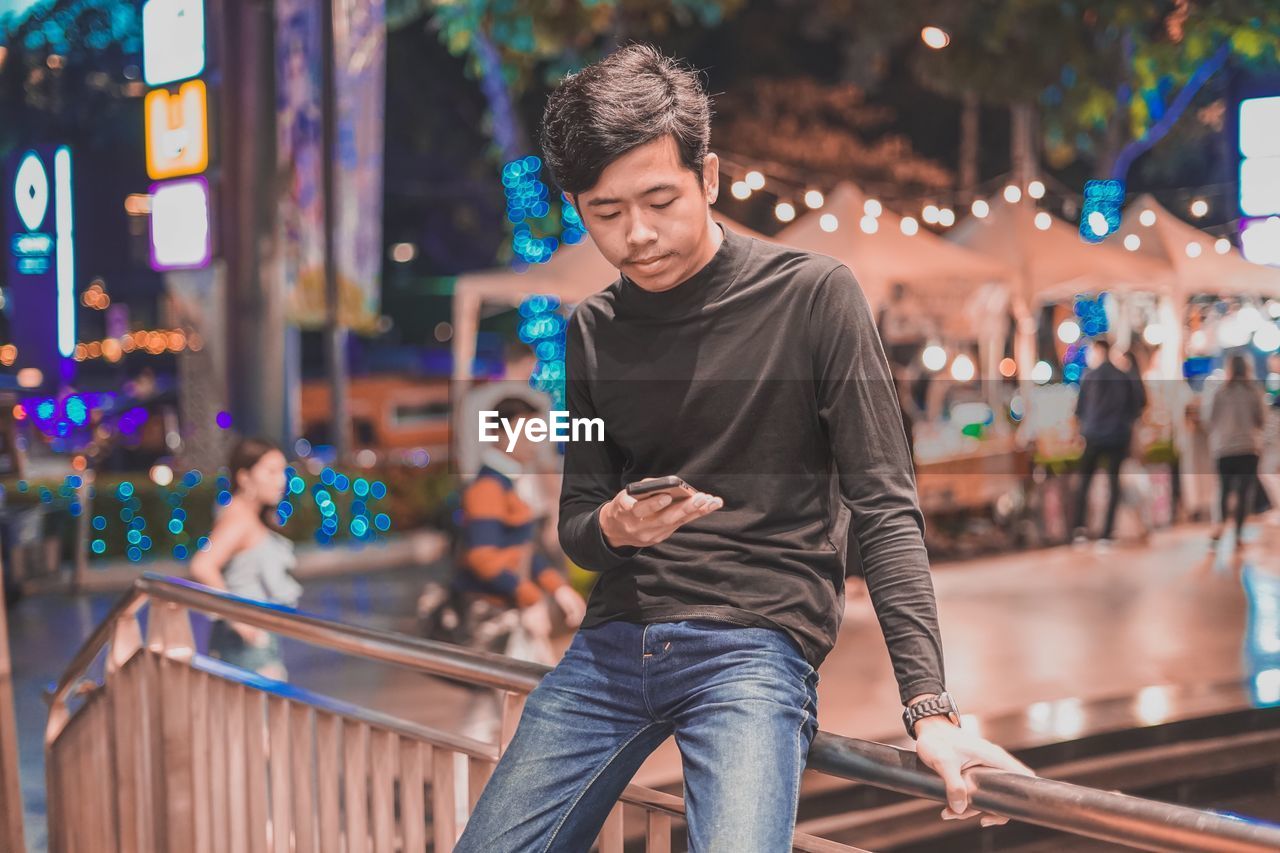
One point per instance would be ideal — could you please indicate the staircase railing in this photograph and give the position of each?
(151, 746)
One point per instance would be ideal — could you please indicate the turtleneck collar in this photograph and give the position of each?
(694, 292)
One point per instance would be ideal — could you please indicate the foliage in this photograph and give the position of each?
(63, 72)
(413, 500)
(822, 129)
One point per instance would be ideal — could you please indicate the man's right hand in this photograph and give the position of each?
(630, 523)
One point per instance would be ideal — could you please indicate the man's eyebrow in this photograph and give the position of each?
(600, 202)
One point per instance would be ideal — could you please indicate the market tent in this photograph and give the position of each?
(573, 273)
(1196, 259)
(1197, 263)
(931, 266)
(1051, 262)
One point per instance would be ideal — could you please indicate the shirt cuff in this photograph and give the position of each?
(618, 554)
(919, 686)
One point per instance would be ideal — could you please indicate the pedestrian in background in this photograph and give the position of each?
(1232, 415)
(248, 556)
(1110, 402)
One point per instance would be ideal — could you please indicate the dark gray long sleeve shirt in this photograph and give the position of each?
(760, 379)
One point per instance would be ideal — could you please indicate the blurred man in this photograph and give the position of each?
(1109, 404)
(754, 373)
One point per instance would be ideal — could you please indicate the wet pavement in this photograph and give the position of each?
(1033, 642)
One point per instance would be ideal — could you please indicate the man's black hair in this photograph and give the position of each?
(628, 99)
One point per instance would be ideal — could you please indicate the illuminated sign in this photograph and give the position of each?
(1260, 156)
(1260, 240)
(177, 131)
(173, 41)
(180, 225)
(40, 237)
(31, 191)
(65, 230)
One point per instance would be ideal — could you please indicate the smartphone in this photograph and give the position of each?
(675, 487)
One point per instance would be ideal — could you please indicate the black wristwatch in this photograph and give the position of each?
(941, 705)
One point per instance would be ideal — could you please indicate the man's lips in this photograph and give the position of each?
(645, 262)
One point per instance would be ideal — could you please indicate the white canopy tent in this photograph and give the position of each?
(1051, 262)
(887, 255)
(1197, 261)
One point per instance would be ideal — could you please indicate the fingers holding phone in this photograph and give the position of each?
(649, 511)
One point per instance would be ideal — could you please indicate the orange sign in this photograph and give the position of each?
(177, 131)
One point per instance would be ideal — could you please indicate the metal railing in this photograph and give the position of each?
(170, 750)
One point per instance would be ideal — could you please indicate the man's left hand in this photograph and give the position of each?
(949, 750)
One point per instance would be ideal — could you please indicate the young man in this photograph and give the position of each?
(754, 373)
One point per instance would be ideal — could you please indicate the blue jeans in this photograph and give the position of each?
(741, 702)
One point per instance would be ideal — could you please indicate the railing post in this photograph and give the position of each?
(512, 708)
(126, 639)
(169, 631)
(10, 791)
(169, 636)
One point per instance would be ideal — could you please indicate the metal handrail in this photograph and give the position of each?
(1105, 815)
(1079, 810)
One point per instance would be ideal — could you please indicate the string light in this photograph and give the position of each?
(869, 224)
(814, 199)
(1044, 220)
(1132, 242)
(962, 369)
(528, 199)
(1222, 245)
(828, 222)
(946, 217)
(1035, 189)
(1098, 223)
(1199, 208)
(934, 358)
(1069, 331)
(784, 211)
(755, 180)
(1147, 217)
(1012, 194)
(1008, 367)
(740, 190)
(980, 208)
(935, 37)
(1194, 249)
(930, 214)
(872, 207)
(909, 226)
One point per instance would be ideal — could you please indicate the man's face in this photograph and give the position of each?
(649, 216)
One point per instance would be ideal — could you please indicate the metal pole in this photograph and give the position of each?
(335, 337)
(10, 790)
(80, 568)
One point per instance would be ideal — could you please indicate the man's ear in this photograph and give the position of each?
(711, 177)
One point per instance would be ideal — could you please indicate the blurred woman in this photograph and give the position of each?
(1233, 419)
(248, 556)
